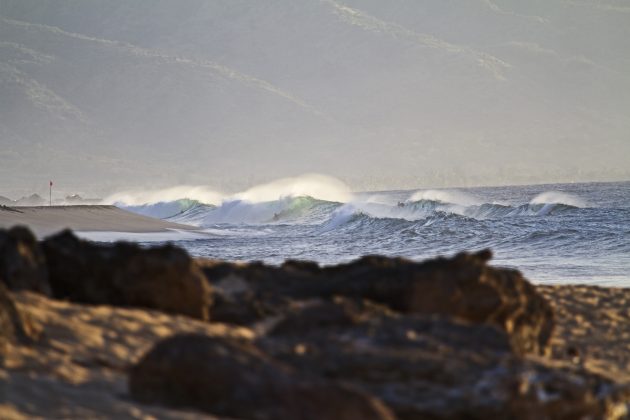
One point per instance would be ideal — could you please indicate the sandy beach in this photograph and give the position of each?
(44, 221)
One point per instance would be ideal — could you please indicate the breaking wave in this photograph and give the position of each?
(324, 201)
(434, 205)
(302, 210)
(167, 209)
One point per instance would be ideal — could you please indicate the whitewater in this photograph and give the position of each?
(560, 233)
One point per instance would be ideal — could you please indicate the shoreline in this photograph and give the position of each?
(47, 220)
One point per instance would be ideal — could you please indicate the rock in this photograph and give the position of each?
(124, 274)
(22, 262)
(232, 378)
(464, 287)
(303, 317)
(436, 367)
(13, 329)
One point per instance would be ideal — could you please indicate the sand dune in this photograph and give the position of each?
(44, 221)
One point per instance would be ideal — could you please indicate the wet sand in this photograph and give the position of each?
(44, 221)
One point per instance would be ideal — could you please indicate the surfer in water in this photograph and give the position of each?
(401, 204)
(276, 217)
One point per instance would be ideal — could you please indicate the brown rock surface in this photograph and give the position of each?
(436, 367)
(464, 287)
(78, 367)
(124, 274)
(22, 262)
(235, 379)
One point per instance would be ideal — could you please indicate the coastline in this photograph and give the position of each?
(44, 220)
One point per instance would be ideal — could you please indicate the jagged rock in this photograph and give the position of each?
(230, 378)
(22, 262)
(464, 287)
(12, 326)
(124, 274)
(435, 367)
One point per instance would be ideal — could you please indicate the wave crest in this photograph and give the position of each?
(316, 186)
(557, 197)
(444, 196)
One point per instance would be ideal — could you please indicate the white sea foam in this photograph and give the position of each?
(557, 197)
(317, 186)
(140, 197)
(445, 196)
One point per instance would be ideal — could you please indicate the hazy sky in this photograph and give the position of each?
(107, 95)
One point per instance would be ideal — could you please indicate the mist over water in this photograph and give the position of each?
(563, 233)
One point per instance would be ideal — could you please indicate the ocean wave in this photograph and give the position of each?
(282, 199)
(431, 211)
(445, 197)
(133, 198)
(557, 197)
(332, 205)
(166, 209)
(319, 187)
(293, 210)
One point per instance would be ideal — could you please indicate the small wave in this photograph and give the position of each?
(445, 197)
(369, 215)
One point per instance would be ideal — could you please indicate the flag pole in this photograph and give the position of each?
(50, 195)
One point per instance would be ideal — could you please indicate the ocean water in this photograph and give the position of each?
(562, 233)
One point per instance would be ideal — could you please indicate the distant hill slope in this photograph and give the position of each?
(240, 89)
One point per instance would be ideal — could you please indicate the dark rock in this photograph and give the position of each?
(229, 378)
(124, 274)
(13, 328)
(22, 262)
(464, 287)
(302, 317)
(435, 367)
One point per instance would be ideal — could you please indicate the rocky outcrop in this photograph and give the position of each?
(434, 366)
(375, 338)
(124, 274)
(421, 366)
(231, 378)
(464, 287)
(22, 262)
